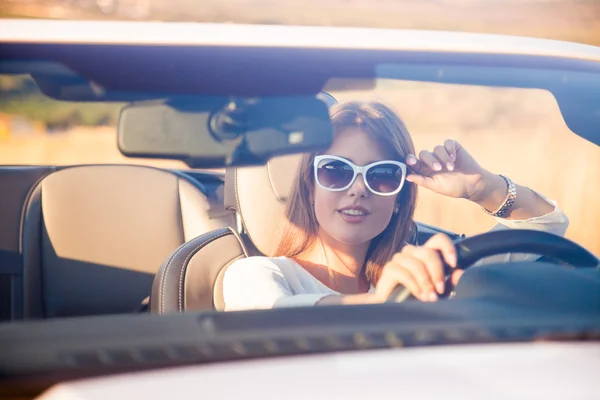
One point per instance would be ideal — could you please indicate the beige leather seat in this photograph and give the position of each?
(94, 236)
(191, 278)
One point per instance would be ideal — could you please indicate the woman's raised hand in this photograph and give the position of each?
(449, 170)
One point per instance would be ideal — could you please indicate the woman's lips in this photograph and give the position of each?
(353, 215)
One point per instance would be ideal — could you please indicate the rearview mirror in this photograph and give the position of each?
(214, 132)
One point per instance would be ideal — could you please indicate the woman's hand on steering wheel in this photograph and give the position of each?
(417, 270)
(420, 269)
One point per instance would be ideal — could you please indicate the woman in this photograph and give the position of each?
(350, 218)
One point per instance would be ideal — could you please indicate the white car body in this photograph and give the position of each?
(189, 34)
(540, 370)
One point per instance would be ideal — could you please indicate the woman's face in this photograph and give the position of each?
(356, 215)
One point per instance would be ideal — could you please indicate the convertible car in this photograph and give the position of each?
(111, 272)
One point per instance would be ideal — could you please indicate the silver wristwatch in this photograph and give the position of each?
(511, 196)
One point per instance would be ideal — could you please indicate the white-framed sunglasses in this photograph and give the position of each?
(383, 178)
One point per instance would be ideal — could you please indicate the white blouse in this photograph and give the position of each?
(270, 282)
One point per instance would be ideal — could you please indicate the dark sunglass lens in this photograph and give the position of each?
(384, 178)
(334, 174)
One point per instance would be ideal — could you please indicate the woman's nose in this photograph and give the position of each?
(358, 188)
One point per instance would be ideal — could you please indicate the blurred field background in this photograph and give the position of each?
(519, 133)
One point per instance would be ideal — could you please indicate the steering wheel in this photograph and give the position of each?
(472, 249)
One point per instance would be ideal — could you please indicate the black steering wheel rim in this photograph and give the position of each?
(472, 249)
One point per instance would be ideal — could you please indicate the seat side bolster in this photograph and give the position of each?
(31, 253)
(185, 281)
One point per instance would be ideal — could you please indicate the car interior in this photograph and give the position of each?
(69, 233)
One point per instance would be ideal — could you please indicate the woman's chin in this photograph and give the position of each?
(354, 238)
(350, 233)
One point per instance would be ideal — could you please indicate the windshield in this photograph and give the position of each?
(420, 156)
(518, 132)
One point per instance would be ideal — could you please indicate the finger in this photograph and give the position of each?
(408, 261)
(430, 160)
(442, 154)
(392, 276)
(417, 166)
(456, 276)
(443, 243)
(421, 180)
(433, 263)
(411, 160)
(417, 179)
(452, 147)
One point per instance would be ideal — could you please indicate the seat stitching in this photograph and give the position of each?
(238, 203)
(235, 189)
(163, 279)
(183, 269)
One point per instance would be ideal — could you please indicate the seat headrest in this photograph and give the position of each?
(259, 196)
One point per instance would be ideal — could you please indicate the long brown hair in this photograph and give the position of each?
(385, 127)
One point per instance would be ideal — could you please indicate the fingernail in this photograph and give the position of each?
(452, 260)
(439, 287)
(437, 166)
(432, 297)
(450, 166)
(411, 160)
